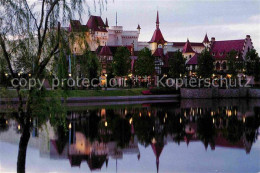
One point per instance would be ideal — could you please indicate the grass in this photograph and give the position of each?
(79, 93)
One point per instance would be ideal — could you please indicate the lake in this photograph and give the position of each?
(150, 136)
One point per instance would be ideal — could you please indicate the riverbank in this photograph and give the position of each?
(6, 93)
(211, 93)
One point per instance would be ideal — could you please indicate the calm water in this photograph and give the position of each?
(187, 136)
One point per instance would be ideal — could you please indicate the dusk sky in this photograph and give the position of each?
(179, 20)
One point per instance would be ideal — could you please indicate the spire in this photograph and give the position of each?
(206, 39)
(157, 20)
(138, 27)
(157, 164)
(106, 23)
(116, 18)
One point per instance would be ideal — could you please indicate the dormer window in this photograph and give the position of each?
(160, 46)
(221, 54)
(213, 53)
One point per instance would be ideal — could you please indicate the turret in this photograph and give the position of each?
(139, 29)
(106, 24)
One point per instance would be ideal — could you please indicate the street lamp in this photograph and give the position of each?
(69, 74)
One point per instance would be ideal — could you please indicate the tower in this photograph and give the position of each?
(138, 29)
(157, 40)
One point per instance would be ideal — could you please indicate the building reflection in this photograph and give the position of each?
(96, 136)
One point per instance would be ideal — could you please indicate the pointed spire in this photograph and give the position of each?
(157, 20)
(138, 27)
(106, 23)
(116, 18)
(157, 164)
(206, 39)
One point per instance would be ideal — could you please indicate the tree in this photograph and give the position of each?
(205, 64)
(233, 63)
(30, 32)
(144, 65)
(253, 64)
(121, 62)
(90, 65)
(177, 65)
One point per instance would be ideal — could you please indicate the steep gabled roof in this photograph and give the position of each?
(181, 44)
(206, 39)
(193, 60)
(221, 48)
(105, 51)
(157, 37)
(187, 47)
(158, 52)
(75, 26)
(95, 23)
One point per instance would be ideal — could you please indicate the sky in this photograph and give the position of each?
(179, 20)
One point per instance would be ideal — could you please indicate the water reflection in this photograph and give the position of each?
(97, 135)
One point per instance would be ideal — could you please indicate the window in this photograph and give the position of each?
(160, 46)
(221, 54)
(213, 53)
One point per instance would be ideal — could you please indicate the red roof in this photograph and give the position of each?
(206, 39)
(187, 47)
(221, 48)
(181, 44)
(193, 60)
(105, 51)
(159, 52)
(96, 23)
(157, 37)
(75, 26)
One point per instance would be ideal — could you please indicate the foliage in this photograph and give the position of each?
(121, 62)
(253, 64)
(144, 65)
(205, 64)
(89, 65)
(177, 65)
(233, 63)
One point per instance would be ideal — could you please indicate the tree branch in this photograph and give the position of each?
(46, 61)
(28, 8)
(46, 28)
(6, 55)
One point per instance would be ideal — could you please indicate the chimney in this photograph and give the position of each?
(212, 39)
(248, 36)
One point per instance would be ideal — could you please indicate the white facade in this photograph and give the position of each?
(119, 37)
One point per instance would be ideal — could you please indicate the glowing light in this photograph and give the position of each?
(213, 121)
(30, 74)
(70, 126)
(149, 114)
(19, 127)
(6, 122)
(106, 124)
(166, 115)
(229, 113)
(131, 120)
(140, 114)
(180, 120)
(69, 74)
(6, 74)
(244, 119)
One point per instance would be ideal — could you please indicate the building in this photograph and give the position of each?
(104, 40)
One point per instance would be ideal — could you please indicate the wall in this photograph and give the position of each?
(220, 93)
